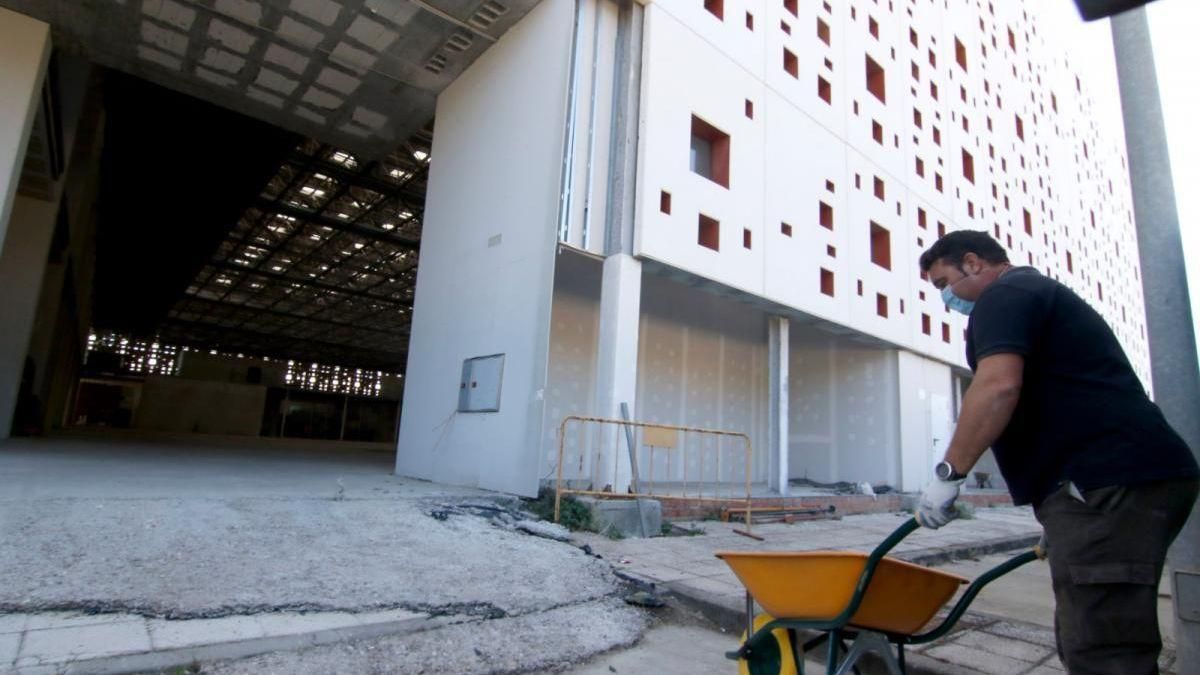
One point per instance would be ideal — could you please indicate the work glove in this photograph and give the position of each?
(936, 507)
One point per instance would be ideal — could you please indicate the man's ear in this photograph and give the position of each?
(972, 260)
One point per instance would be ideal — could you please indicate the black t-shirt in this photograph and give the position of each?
(1083, 415)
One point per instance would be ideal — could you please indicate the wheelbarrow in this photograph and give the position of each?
(859, 603)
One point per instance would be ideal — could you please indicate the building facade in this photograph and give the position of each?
(754, 267)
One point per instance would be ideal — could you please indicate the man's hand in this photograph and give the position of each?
(936, 507)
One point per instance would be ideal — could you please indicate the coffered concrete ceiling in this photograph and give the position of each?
(359, 74)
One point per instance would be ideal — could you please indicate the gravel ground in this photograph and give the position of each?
(543, 641)
(207, 558)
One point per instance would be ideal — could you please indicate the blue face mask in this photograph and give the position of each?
(956, 303)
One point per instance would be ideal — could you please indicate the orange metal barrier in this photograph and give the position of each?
(672, 462)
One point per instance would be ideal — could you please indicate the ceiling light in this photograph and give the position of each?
(405, 215)
(421, 155)
(358, 244)
(276, 268)
(388, 226)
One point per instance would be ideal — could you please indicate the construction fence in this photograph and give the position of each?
(601, 456)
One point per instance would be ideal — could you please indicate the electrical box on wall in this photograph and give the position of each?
(479, 387)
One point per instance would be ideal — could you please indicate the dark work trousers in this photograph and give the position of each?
(1106, 555)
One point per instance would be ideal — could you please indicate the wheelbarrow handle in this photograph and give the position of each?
(973, 590)
(864, 579)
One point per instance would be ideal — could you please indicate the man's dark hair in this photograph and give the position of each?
(951, 248)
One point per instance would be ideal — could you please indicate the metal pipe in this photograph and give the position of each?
(1169, 328)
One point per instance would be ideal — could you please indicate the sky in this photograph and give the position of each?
(1172, 29)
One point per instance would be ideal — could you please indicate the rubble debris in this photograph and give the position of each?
(644, 599)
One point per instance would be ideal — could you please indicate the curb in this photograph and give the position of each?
(734, 620)
(236, 649)
(942, 555)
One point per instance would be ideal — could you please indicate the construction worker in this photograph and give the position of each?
(1076, 436)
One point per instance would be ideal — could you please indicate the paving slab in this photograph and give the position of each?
(9, 644)
(1008, 648)
(542, 641)
(984, 662)
(166, 634)
(59, 645)
(12, 623)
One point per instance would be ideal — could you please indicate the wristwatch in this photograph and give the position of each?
(945, 471)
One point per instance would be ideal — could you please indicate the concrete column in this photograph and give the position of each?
(24, 54)
(1173, 362)
(22, 266)
(623, 150)
(778, 348)
(43, 332)
(617, 359)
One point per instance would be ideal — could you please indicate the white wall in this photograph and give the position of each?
(574, 341)
(487, 259)
(198, 406)
(702, 362)
(22, 266)
(24, 53)
(844, 414)
(795, 142)
(926, 416)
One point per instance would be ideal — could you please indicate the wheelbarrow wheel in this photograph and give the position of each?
(772, 657)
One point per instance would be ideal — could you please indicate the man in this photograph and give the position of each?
(1074, 435)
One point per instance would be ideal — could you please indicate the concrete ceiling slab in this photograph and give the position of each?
(359, 74)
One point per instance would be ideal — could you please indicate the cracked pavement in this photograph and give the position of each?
(254, 542)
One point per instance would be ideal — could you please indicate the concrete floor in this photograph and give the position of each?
(145, 466)
(202, 528)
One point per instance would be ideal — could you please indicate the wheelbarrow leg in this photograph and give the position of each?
(798, 650)
(831, 654)
(847, 650)
(749, 615)
(869, 641)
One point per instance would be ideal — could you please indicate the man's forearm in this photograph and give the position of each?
(986, 409)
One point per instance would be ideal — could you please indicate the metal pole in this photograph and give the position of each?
(345, 406)
(1173, 361)
(633, 469)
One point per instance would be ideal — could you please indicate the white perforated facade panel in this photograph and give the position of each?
(858, 131)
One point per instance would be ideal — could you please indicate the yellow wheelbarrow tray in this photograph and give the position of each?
(879, 603)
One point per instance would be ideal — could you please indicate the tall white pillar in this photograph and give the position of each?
(22, 266)
(778, 345)
(24, 54)
(617, 358)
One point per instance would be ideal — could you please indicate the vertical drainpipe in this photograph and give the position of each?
(1169, 328)
(566, 185)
